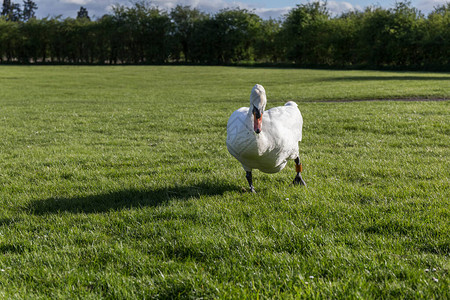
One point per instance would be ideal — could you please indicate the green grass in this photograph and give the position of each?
(115, 182)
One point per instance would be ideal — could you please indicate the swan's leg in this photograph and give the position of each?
(298, 178)
(248, 175)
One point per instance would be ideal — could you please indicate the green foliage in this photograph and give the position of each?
(343, 36)
(437, 37)
(227, 37)
(115, 182)
(268, 42)
(305, 29)
(9, 45)
(400, 37)
(142, 34)
(391, 37)
(185, 19)
(238, 29)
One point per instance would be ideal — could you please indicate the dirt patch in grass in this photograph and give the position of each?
(379, 100)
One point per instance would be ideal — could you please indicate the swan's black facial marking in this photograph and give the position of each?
(256, 113)
(257, 121)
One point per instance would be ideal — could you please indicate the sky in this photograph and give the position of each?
(264, 8)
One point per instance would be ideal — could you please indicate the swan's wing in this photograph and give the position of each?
(286, 120)
(237, 131)
(237, 122)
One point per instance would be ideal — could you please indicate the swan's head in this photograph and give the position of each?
(258, 102)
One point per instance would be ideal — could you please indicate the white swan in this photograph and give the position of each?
(265, 140)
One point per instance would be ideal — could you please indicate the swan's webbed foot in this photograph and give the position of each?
(298, 180)
(248, 175)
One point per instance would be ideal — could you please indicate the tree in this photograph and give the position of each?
(268, 46)
(16, 12)
(304, 30)
(343, 40)
(184, 19)
(83, 14)
(238, 29)
(10, 38)
(400, 36)
(142, 34)
(6, 8)
(436, 42)
(35, 37)
(11, 11)
(407, 34)
(154, 34)
(29, 8)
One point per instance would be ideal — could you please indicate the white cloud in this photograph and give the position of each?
(205, 5)
(77, 2)
(97, 8)
(273, 13)
(427, 6)
(338, 7)
(69, 8)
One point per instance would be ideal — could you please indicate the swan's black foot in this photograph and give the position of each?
(298, 180)
(248, 175)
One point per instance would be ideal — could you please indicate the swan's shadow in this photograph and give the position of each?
(123, 199)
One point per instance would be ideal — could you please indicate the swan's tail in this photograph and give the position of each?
(291, 103)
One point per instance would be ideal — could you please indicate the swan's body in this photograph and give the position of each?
(270, 150)
(264, 140)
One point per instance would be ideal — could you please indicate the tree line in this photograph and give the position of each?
(308, 35)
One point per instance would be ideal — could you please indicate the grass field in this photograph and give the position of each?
(115, 182)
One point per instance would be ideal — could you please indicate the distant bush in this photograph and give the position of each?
(400, 37)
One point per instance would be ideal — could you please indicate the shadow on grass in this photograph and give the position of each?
(123, 199)
(7, 221)
(386, 78)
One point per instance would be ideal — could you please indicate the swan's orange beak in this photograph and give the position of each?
(257, 123)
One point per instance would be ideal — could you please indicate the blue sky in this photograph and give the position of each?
(264, 8)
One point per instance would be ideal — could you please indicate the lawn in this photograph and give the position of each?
(115, 182)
